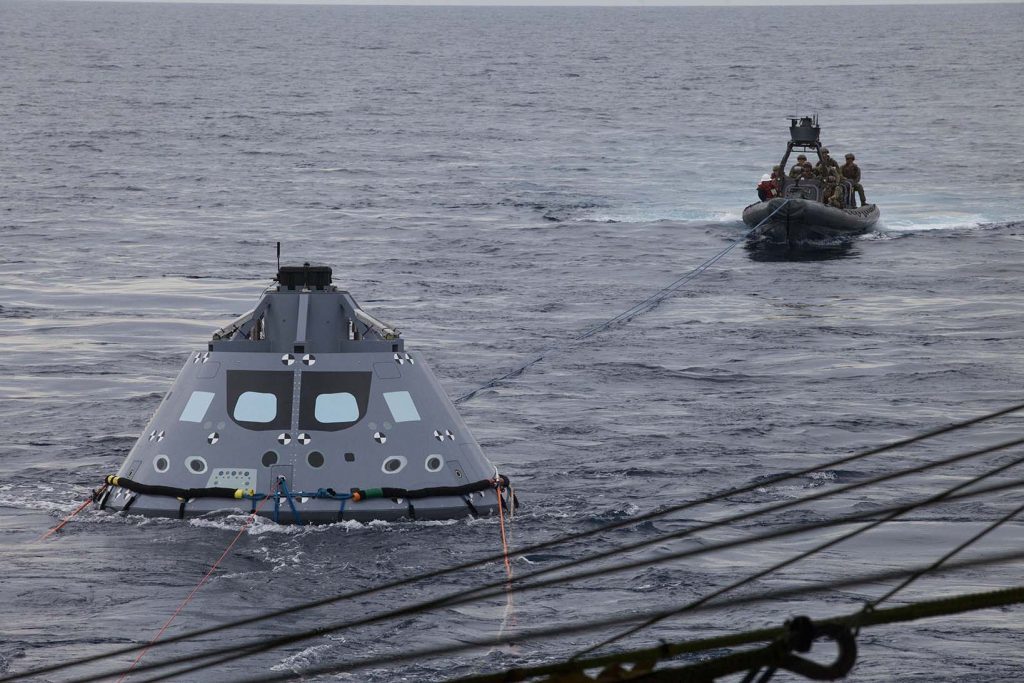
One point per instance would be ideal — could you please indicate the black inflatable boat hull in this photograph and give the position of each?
(800, 221)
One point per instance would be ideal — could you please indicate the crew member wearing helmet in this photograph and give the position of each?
(766, 189)
(827, 166)
(798, 168)
(833, 195)
(851, 172)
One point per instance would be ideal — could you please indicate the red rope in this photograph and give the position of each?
(199, 585)
(504, 540)
(88, 501)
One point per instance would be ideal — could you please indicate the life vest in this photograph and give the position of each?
(767, 188)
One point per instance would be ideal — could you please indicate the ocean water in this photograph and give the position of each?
(494, 181)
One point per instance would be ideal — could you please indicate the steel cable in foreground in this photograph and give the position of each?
(721, 495)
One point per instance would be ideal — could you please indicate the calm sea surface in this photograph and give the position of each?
(493, 182)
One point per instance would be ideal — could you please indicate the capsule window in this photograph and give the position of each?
(269, 459)
(394, 464)
(315, 459)
(401, 405)
(254, 406)
(434, 463)
(195, 464)
(260, 399)
(196, 407)
(334, 408)
(332, 401)
(161, 463)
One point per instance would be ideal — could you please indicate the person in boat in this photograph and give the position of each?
(833, 194)
(807, 173)
(767, 188)
(827, 165)
(798, 168)
(851, 172)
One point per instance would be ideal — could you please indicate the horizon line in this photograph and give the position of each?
(560, 3)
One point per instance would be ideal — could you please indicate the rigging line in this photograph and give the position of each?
(585, 626)
(941, 607)
(93, 497)
(636, 309)
(513, 585)
(496, 558)
(942, 560)
(457, 599)
(202, 581)
(813, 551)
(654, 514)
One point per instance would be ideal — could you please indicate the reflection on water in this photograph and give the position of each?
(802, 251)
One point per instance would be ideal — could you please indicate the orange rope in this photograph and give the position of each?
(91, 499)
(504, 540)
(199, 585)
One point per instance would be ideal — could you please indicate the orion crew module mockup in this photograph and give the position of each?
(310, 410)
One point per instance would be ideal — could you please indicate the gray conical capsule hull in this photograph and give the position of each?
(322, 432)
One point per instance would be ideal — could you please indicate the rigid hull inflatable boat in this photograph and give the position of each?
(803, 218)
(307, 409)
(799, 213)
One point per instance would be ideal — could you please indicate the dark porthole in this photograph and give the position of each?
(269, 459)
(315, 459)
(195, 464)
(350, 457)
(434, 463)
(162, 464)
(393, 464)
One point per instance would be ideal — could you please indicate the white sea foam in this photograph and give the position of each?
(944, 221)
(655, 214)
(304, 658)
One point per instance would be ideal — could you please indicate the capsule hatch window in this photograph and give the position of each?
(254, 406)
(333, 408)
(331, 401)
(260, 399)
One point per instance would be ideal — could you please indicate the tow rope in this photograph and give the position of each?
(626, 316)
(94, 497)
(249, 520)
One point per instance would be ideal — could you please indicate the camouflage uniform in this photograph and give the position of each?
(851, 172)
(829, 167)
(798, 168)
(833, 193)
